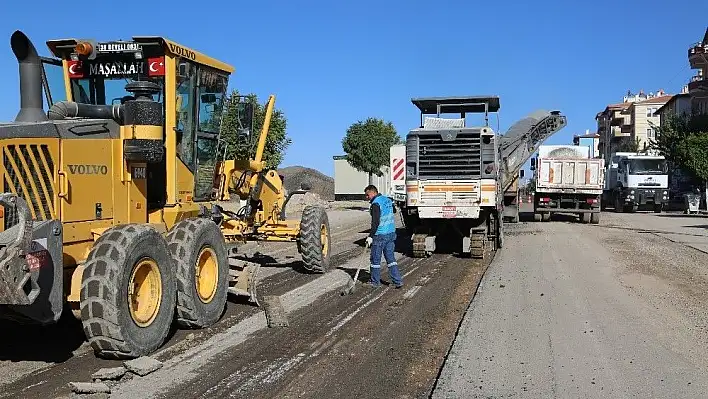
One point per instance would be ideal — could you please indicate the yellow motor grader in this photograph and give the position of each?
(112, 198)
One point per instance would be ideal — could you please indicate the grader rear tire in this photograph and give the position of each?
(128, 292)
(202, 270)
(315, 242)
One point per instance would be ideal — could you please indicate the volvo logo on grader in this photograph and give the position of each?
(88, 169)
(181, 51)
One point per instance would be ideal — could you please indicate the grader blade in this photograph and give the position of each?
(244, 276)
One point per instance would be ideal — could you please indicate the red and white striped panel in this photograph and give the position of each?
(398, 168)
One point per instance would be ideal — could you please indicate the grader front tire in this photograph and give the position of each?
(128, 292)
(202, 267)
(315, 241)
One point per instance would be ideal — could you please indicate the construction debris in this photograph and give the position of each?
(89, 387)
(275, 312)
(143, 366)
(114, 373)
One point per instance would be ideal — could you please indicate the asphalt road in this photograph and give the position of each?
(571, 310)
(563, 310)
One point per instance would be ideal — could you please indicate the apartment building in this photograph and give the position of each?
(643, 120)
(629, 120)
(680, 104)
(591, 140)
(698, 86)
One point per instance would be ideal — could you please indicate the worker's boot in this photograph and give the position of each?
(395, 275)
(375, 280)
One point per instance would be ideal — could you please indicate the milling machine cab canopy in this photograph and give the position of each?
(456, 105)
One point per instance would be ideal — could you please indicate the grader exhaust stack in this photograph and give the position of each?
(31, 109)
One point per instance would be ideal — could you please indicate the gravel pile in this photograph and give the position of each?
(298, 202)
(321, 184)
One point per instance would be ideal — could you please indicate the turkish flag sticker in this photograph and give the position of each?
(75, 69)
(156, 66)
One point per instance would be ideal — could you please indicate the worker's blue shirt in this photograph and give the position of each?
(382, 221)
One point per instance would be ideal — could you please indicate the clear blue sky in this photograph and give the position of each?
(333, 63)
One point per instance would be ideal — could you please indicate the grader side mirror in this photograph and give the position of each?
(521, 174)
(533, 163)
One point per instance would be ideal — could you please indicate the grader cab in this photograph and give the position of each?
(112, 199)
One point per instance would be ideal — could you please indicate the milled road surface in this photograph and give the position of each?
(381, 343)
(40, 362)
(570, 310)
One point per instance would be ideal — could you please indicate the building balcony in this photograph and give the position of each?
(623, 131)
(698, 55)
(698, 83)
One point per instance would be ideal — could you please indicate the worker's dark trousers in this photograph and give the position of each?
(385, 243)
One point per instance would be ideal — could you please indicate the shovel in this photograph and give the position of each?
(351, 285)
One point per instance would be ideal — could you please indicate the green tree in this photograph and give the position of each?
(367, 144)
(683, 141)
(670, 138)
(239, 147)
(628, 145)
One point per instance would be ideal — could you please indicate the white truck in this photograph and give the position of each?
(636, 182)
(568, 181)
(397, 167)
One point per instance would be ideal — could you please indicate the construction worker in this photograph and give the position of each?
(382, 237)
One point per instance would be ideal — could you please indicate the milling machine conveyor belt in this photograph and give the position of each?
(523, 139)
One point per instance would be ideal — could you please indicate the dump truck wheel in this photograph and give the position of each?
(595, 218)
(128, 292)
(315, 242)
(202, 269)
(585, 217)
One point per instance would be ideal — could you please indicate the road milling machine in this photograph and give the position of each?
(457, 175)
(113, 199)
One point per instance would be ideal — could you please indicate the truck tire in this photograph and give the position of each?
(128, 258)
(197, 244)
(315, 243)
(595, 218)
(478, 241)
(585, 217)
(619, 205)
(537, 217)
(658, 208)
(546, 216)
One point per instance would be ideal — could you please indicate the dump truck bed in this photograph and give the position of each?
(570, 175)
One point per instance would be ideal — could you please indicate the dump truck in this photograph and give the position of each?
(636, 182)
(568, 181)
(113, 202)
